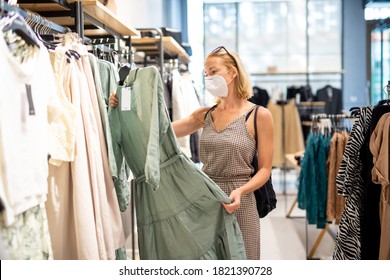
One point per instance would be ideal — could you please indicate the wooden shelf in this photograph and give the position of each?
(92, 8)
(149, 45)
(98, 11)
(43, 7)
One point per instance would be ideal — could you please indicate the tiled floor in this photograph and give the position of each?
(285, 235)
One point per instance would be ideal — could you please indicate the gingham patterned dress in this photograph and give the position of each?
(226, 156)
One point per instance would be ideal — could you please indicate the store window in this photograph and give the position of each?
(283, 36)
(380, 62)
(220, 26)
(272, 36)
(377, 16)
(324, 30)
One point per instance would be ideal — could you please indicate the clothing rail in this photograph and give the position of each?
(335, 121)
(330, 116)
(36, 19)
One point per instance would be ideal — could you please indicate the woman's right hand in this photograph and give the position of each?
(113, 100)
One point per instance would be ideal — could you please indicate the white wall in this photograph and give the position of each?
(141, 14)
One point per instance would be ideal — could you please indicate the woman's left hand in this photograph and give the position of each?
(113, 100)
(235, 196)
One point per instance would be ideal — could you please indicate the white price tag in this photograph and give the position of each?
(126, 99)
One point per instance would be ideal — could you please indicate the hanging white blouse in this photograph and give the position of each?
(64, 131)
(184, 102)
(28, 103)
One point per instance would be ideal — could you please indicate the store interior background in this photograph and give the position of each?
(282, 43)
(338, 39)
(343, 43)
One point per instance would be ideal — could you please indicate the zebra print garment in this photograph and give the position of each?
(349, 182)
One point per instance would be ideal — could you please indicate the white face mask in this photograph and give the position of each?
(216, 86)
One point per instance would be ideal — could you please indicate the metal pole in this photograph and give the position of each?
(79, 19)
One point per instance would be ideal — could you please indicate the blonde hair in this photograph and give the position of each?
(243, 87)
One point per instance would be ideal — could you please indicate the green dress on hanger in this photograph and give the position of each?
(178, 208)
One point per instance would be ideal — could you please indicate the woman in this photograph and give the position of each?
(227, 144)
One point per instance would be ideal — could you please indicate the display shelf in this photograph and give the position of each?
(149, 45)
(101, 13)
(43, 7)
(96, 13)
(36, 19)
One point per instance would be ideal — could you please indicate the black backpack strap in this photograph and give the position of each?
(255, 124)
(209, 110)
(254, 121)
(249, 113)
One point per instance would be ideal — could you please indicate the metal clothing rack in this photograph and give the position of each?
(159, 50)
(45, 12)
(335, 120)
(295, 202)
(148, 47)
(311, 107)
(282, 103)
(87, 18)
(36, 19)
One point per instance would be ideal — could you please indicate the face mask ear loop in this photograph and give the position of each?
(230, 81)
(225, 72)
